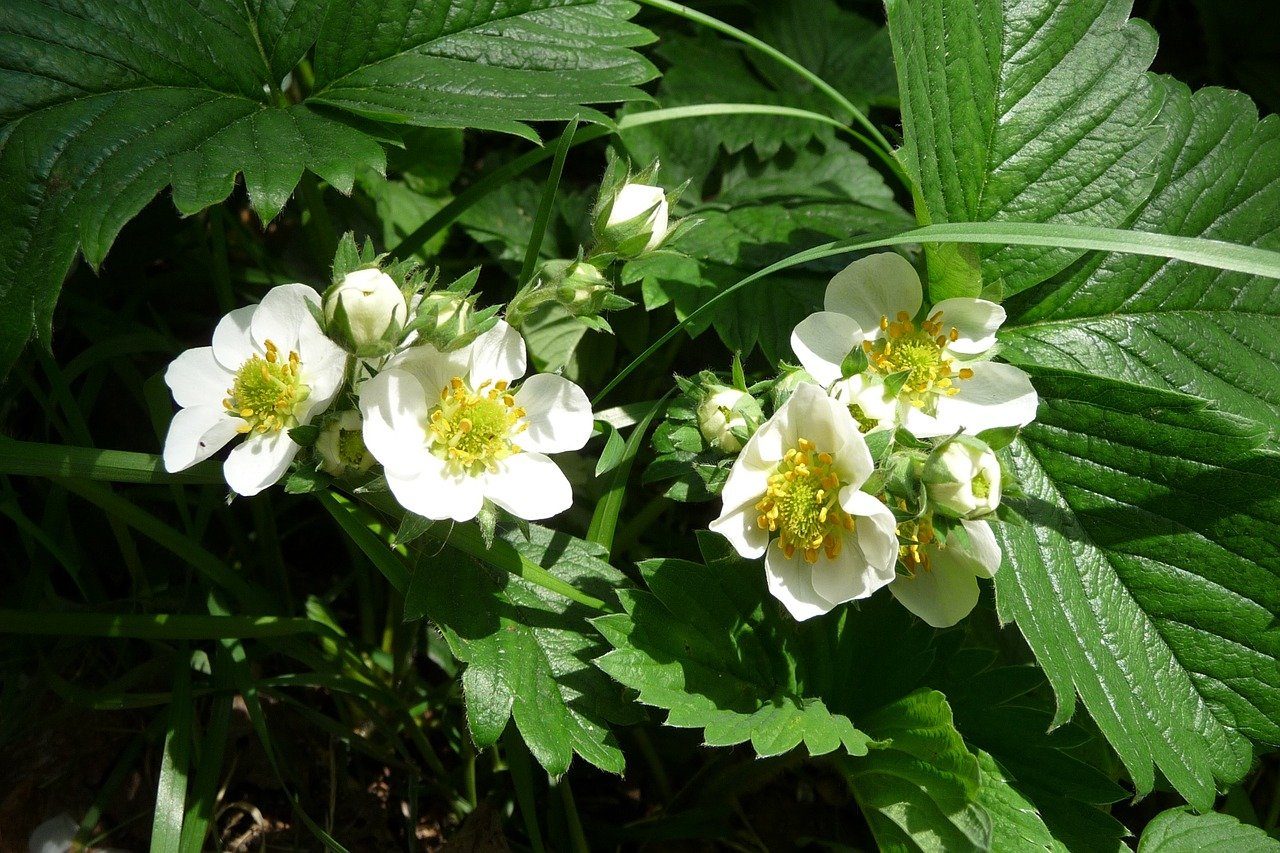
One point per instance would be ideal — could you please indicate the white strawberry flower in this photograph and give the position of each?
(451, 430)
(963, 478)
(940, 581)
(270, 369)
(948, 382)
(793, 496)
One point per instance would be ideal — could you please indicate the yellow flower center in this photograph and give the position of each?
(919, 353)
(802, 504)
(267, 391)
(473, 429)
(915, 538)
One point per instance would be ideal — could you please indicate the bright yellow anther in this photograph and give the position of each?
(472, 429)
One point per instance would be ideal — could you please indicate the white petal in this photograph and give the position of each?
(434, 369)
(923, 425)
(232, 343)
(529, 486)
(822, 340)
(394, 408)
(998, 395)
(980, 557)
(876, 532)
(557, 411)
(940, 597)
(434, 493)
(323, 377)
(738, 525)
(791, 582)
(259, 461)
(196, 378)
(880, 285)
(845, 578)
(282, 314)
(765, 448)
(810, 414)
(496, 355)
(745, 485)
(195, 434)
(975, 320)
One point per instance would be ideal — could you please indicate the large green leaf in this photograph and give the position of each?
(919, 787)
(1000, 711)
(1146, 581)
(103, 105)
(1168, 324)
(706, 644)
(1036, 111)
(1180, 831)
(527, 650)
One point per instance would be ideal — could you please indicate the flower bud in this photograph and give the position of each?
(963, 478)
(637, 221)
(727, 417)
(582, 289)
(449, 307)
(373, 312)
(341, 446)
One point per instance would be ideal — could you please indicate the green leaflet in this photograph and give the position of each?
(1167, 324)
(1031, 112)
(1146, 580)
(919, 788)
(1181, 831)
(103, 105)
(707, 644)
(528, 657)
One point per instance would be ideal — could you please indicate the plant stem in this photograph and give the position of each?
(577, 839)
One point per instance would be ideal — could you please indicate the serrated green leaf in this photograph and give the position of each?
(706, 646)
(1016, 826)
(1147, 578)
(1031, 112)
(919, 790)
(104, 105)
(1181, 831)
(1164, 323)
(528, 650)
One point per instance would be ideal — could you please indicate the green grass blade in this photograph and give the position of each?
(156, 626)
(545, 205)
(417, 238)
(604, 521)
(171, 791)
(213, 569)
(1195, 250)
(355, 522)
(204, 788)
(34, 459)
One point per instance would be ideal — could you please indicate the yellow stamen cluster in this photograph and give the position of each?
(915, 537)
(920, 353)
(266, 392)
(802, 504)
(472, 430)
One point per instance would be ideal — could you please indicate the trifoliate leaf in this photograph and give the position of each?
(1029, 112)
(103, 105)
(705, 643)
(1168, 324)
(1146, 581)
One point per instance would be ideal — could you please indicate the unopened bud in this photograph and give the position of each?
(963, 478)
(366, 312)
(727, 417)
(637, 221)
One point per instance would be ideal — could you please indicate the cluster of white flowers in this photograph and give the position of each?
(880, 362)
(450, 428)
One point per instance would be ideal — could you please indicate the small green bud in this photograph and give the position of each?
(727, 417)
